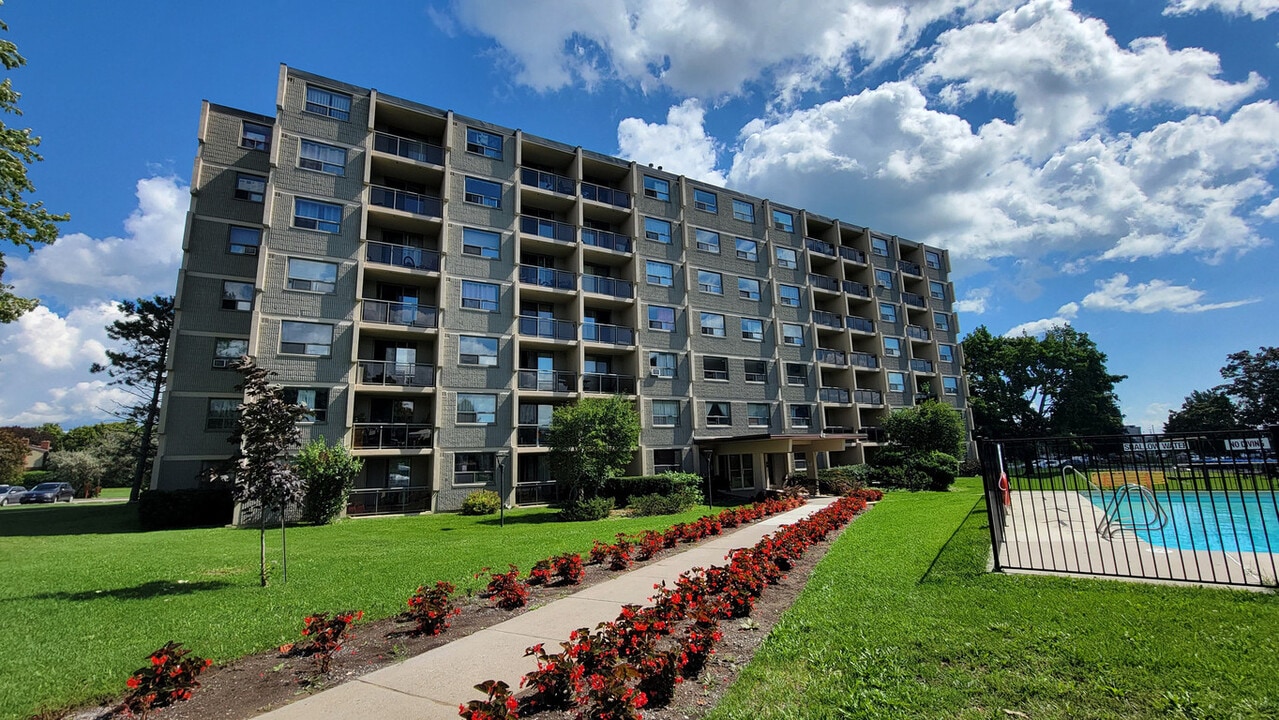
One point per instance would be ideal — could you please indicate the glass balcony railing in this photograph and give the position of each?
(915, 332)
(532, 436)
(406, 148)
(548, 328)
(835, 395)
(914, 300)
(818, 246)
(385, 372)
(608, 383)
(402, 256)
(610, 334)
(823, 282)
(828, 319)
(389, 501)
(860, 324)
(391, 436)
(864, 360)
(606, 195)
(852, 287)
(868, 397)
(606, 240)
(910, 268)
(549, 229)
(921, 365)
(405, 201)
(853, 254)
(548, 181)
(547, 277)
(546, 380)
(608, 286)
(400, 313)
(831, 357)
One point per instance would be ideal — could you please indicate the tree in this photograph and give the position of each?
(1025, 386)
(1204, 411)
(13, 457)
(329, 473)
(23, 222)
(83, 469)
(928, 427)
(140, 369)
(591, 441)
(1254, 385)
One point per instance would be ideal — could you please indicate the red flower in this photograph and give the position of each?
(133, 682)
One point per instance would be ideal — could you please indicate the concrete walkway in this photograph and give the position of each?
(433, 684)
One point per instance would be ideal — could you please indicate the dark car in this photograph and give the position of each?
(11, 494)
(48, 493)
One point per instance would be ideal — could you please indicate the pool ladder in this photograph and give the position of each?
(1111, 522)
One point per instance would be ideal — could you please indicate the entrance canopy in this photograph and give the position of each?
(769, 443)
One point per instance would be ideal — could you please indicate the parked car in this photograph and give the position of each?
(11, 494)
(48, 493)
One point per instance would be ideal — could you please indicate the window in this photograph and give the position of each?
(222, 414)
(788, 295)
(254, 136)
(941, 321)
(312, 276)
(747, 249)
(888, 312)
(758, 414)
(748, 288)
(892, 347)
(756, 371)
(473, 468)
(326, 102)
(657, 230)
(783, 221)
(740, 470)
(250, 187)
(705, 201)
(314, 215)
(484, 143)
(796, 374)
(237, 296)
(879, 246)
(801, 416)
(932, 259)
(712, 324)
(714, 368)
(896, 382)
(479, 295)
(719, 413)
(316, 402)
(950, 385)
(710, 282)
(475, 350)
(786, 258)
(936, 290)
(659, 273)
(793, 334)
(946, 353)
(481, 243)
(325, 158)
(304, 338)
(662, 364)
(657, 189)
(243, 240)
(884, 278)
(661, 318)
(743, 211)
(475, 408)
(753, 329)
(671, 460)
(483, 192)
(228, 351)
(707, 241)
(665, 413)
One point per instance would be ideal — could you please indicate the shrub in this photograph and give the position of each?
(939, 467)
(596, 508)
(170, 677)
(329, 473)
(506, 590)
(481, 502)
(678, 501)
(325, 636)
(431, 608)
(210, 504)
(970, 467)
(83, 469)
(844, 479)
(625, 489)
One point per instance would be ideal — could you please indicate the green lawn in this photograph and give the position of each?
(900, 620)
(87, 596)
(115, 493)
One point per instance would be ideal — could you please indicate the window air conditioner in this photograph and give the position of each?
(221, 362)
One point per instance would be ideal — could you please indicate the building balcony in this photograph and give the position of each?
(864, 360)
(822, 282)
(860, 324)
(836, 429)
(389, 501)
(817, 246)
(832, 357)
(548, 181)
(560, 381)
(391, 436)
(849, 253)
(406, 148)
(549, 328)
(914, 300)
(400, 313)
(875, 434)
(925, 366)
(828, 319)
(404, 201)
(536, 493)
(915, 332)
(868, 397)
(606, 240)
(549, 278)
(608, 334)
(608, 383)
(549, 229)
(402, 256)
(910, 268)
(606, 195)
(852, 287)
(608, 286)
(388, 373)
(836, 395)
(532, 436)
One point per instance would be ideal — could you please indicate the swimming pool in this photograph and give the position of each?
(1228, 521)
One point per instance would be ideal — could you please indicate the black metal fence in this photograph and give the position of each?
(1178, 507)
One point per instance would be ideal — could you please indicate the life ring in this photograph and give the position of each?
(1006, 496)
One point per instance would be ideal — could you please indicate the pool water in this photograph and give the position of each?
(1228, 521)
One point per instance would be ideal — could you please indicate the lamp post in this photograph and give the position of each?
(706, 467)
(501, 487)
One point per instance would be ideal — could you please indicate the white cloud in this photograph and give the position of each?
(1037, 327)
(680, 145)
(1152, 297)
(1151, 418)
(1256, 9)
(1270, 211)
(974, 302)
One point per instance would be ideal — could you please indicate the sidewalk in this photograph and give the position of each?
(430, 686)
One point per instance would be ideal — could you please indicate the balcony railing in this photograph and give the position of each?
(386, 372)
(817, 246)
(608, 286)
(536, 493)
(610, 334)
(546, 380)
(835, 429)
(860, 324)
(606, 195)
(921, 365)
(864, 360)
(828, 319)
(406, 148)
(910, 268)
(835, 395)
(400, 313)
(547, 229)
(868, 397)
(548, 328)
(532, 435)
(387, 501)
(914, 300)
(391, 436)
(548, 181)
(608, 383)
(852, 287)
(831, 357)
(824, 282)
(414, 203)
(915, 332)
(875, 434)
(547, 277)
(606, 240)
(402, 256)
(849, 253)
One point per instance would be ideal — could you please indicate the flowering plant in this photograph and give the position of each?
(500, 704)
(325, 635)
(169, 677)
(506, 590)
(431, 608)
(568, 568)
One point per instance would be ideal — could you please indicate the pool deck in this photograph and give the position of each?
(1056, 531)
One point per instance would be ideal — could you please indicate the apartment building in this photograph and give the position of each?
(432, 286)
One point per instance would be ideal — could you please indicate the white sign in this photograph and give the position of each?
(1160, 445)
(1250, 444)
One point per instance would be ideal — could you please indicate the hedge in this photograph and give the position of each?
(622, 489)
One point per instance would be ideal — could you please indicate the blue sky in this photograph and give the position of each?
(1110, 164)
